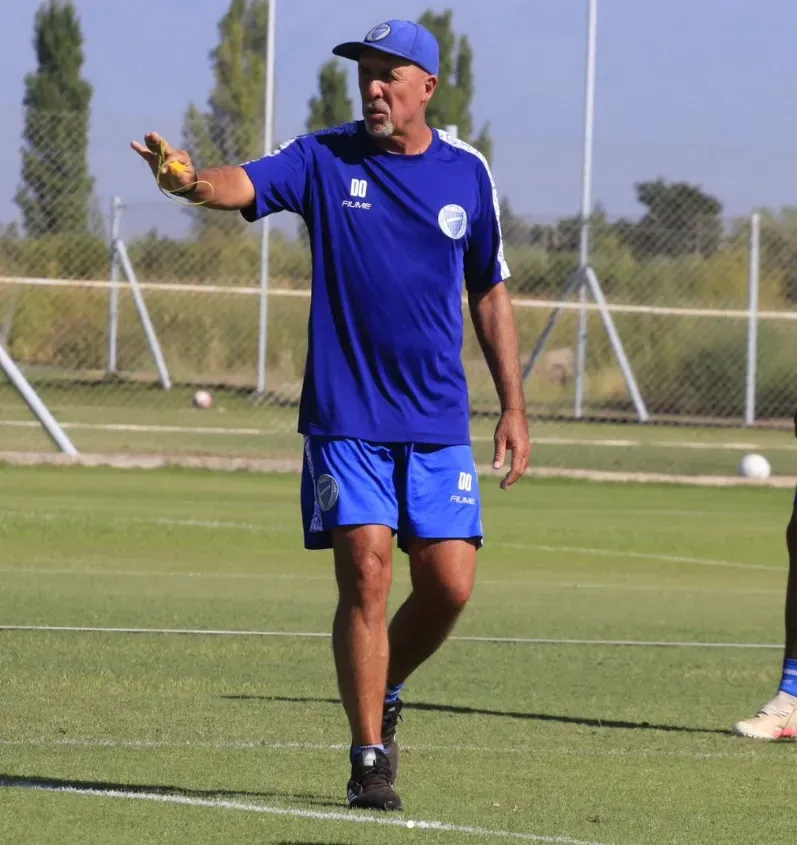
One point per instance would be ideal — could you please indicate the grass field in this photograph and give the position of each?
(146, 420)
(199, 738)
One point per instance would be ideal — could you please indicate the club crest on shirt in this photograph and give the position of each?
(327, 491)
(453, 220)
(378, 32)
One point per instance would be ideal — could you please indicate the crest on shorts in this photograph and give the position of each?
(453, 220)
(378, 32)
(327, 491)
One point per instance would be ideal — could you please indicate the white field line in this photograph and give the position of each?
(164, 287)
(154, 429)
(287, 576)
(263, 745)
(295, 812)
(150, 461)
(69, 512)
(68, 515)
(697, 561)
(622, 588)
(211, 524)
(72, 514)
(203, 632)
(203, 523)
(659, 444)
(697, 512)
(541, 441)
(519, 302)
(144, 573)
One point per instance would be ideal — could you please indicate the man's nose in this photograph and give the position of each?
(374, 90)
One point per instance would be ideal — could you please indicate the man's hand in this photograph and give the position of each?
(170, 178)
(795, 423)
(512, 433)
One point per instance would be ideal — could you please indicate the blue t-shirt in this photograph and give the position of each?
(393, 237)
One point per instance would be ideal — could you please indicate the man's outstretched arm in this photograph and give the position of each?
(494, 322)
(226, 188)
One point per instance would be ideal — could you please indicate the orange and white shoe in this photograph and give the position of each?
(775, 720)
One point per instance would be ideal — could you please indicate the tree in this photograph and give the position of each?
(451, 104)
(333, 105)
(56, 192)
(681, 219)
(516, 231)
(231, 130)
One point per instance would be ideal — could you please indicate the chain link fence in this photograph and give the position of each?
(680, 300)
(117, 339)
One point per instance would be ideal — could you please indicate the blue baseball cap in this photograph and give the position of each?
(405, 39)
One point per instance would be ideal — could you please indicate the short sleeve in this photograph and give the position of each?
(485, 265)
(280, 180)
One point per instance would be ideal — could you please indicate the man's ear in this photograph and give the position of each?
(430, 85)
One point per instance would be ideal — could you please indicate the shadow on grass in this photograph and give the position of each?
(51, 784)
(459, 710)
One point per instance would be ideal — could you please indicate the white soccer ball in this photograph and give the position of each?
(755, 466)
(203, 399)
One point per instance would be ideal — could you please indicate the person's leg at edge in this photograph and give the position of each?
(791, 593)
(778, 718)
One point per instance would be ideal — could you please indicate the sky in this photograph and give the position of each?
(695, 90)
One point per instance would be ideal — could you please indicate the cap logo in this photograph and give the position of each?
(379, 32)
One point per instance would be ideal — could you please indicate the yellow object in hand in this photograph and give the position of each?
(175, 168)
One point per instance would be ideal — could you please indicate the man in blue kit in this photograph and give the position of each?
(398, 214)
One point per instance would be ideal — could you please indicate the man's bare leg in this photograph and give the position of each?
(442, 573)
(363, 569)
(778, 718)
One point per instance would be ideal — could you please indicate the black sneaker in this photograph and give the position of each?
(371, 783)
(391, 714)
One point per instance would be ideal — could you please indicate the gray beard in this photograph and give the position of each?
(383, 131)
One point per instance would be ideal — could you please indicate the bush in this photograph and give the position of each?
(691, 366)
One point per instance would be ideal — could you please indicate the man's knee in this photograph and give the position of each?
(367, 581)
(454, 595)
(363, 567)
(444, 582)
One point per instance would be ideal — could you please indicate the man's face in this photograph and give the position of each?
(394, 92)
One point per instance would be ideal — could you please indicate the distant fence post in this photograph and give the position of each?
(143, 313)
(752, 319)
(265, 223)
(113, 300)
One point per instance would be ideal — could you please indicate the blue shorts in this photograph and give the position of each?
(417, 490)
